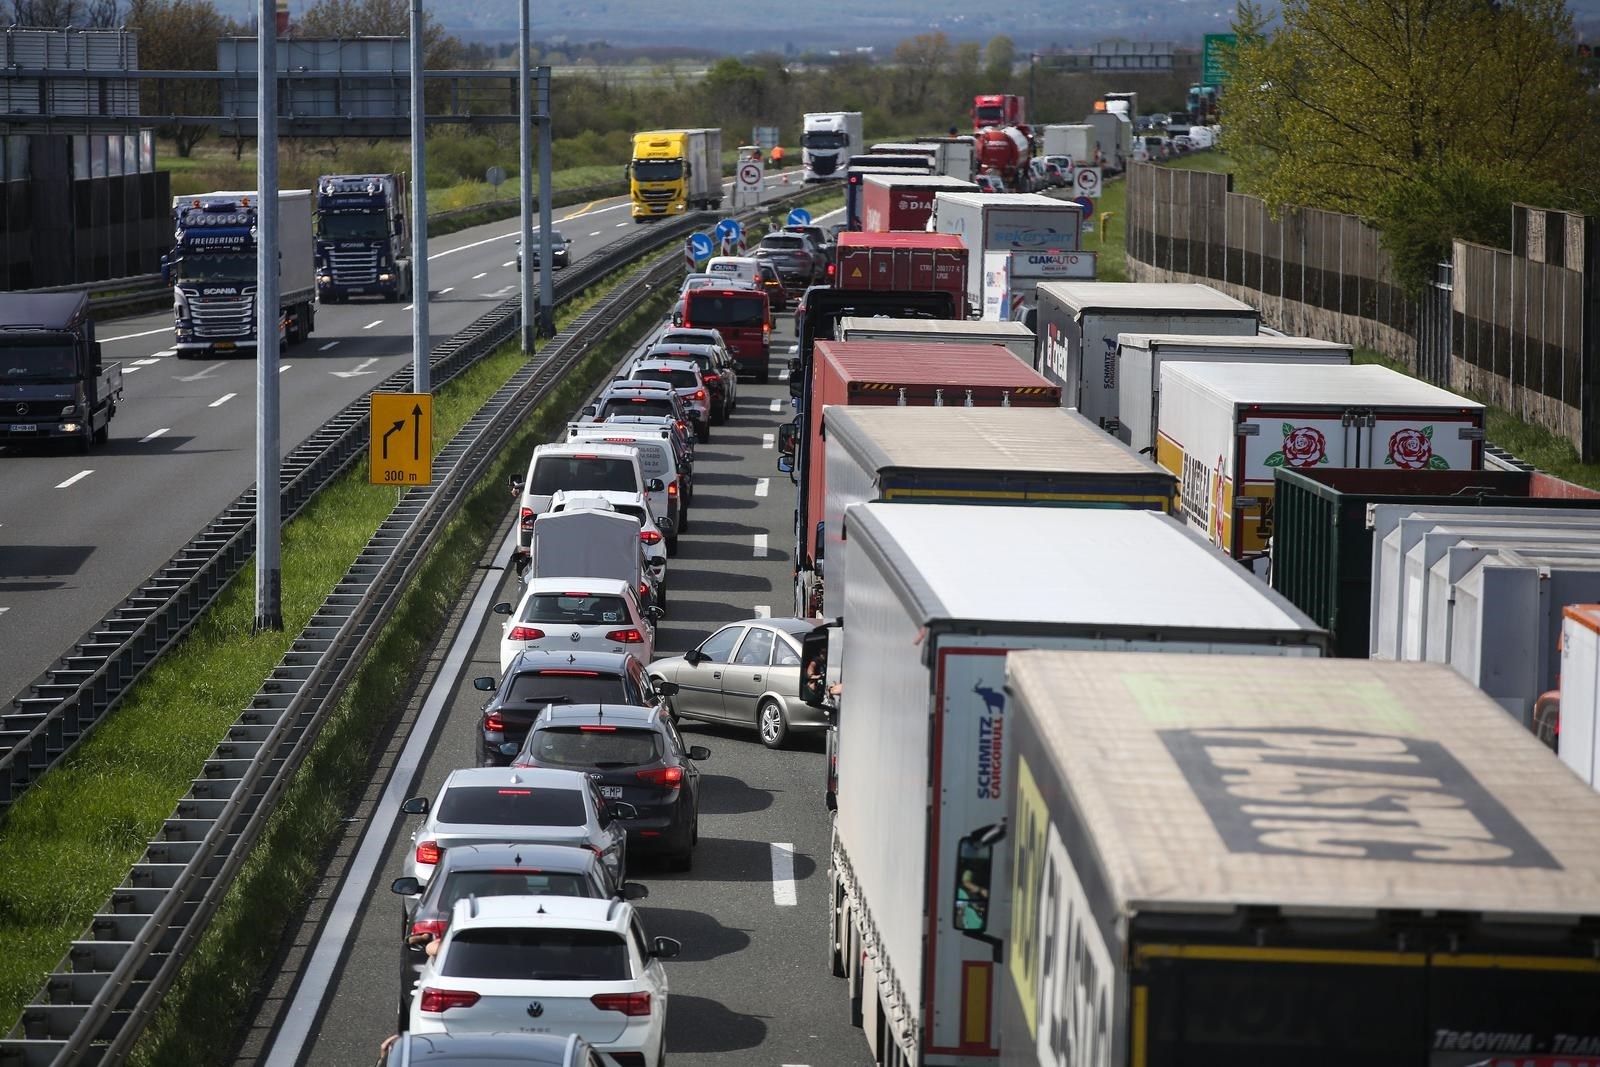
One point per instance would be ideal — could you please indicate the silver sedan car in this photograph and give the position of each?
(747, 673)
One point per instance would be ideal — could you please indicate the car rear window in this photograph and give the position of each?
(678, 379)
(512, 883)
(637, 405)
(566, 687)
(575, 608)
(595, 746)
(783, 243)
(543, 955)
(652, 455)
(554, 474)
(492, 805)
(727, 309)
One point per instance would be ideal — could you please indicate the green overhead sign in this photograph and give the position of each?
(1215, 55)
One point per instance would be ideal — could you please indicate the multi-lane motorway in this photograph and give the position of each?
(78, 533)
(752, 985)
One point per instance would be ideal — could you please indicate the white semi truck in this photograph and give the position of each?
(827, 142)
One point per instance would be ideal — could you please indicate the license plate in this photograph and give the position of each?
(611, 792)
(24, 427)
(224, 345)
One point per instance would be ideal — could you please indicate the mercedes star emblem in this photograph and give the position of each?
(535, 1010)
(22, 409)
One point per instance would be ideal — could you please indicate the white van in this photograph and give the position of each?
(740, 270)
(656, 459)
(595, 466)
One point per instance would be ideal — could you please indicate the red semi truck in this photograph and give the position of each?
(904, 262)
(891, 202)
(998, 109)
(890, 374)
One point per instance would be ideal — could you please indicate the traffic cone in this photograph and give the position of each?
(786, 179)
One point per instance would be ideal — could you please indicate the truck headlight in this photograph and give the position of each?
(325, 278)
(386, 277)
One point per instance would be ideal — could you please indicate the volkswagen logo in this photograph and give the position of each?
(576, 636)
(22, 409)
(535, 1010)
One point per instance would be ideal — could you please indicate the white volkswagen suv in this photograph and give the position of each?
(550, 965)
(587, 614)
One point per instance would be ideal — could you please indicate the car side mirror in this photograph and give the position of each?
(655, 485)
(166, 271)
(590, 410)
(632, 891)
(666, 689)
(785, 463)
(787, 434)
(796, 378)
(699, 752)
(623, 810)
(654, 613)
(502, 608)
(510, 748)
(665, 948)
(406, 887)
(694, 657)
(484, 684)
(658, 561)
(974, 869)
(814, 666)
(415, 806)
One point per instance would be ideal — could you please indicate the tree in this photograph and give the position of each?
(921, 61)
(381, 18)
(59, 14)
(1360, 106)
(179, 35)
(998, 59)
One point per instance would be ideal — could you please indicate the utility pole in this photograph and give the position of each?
(269, 565)
(547, 289)
(525, 174)
(421, 346)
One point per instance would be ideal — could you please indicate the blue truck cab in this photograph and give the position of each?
(363, 241)
(53, 383)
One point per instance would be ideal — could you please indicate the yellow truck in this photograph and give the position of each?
(674, 171)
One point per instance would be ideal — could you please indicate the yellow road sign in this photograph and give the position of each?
(401, 449)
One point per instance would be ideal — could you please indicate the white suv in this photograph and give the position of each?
(578, 614)
(550, 965)
(583, 467)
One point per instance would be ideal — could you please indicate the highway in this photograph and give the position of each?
(752, 985)
(78, 533)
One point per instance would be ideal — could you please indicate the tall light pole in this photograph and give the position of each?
(269, 565)
(525, 173)
(421, 346)
(547, 289)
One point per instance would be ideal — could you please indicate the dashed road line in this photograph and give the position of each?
(327, 346)
(164, 352)
(760, 545)
(151, 436)
(482, 274)
(762, 486)
(620, 225)
(783, 893)
(374, 322)
(763, 611)
(222, 400)
(767, 440)
(285, 367)
(595, 234)
(447, 289)
(130, 370)
(509, 263)
(783, 375)
(777, 405)
(145, 362)
(80, 476)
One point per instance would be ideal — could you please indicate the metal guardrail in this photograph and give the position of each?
(1496, 458)
(93, 1008)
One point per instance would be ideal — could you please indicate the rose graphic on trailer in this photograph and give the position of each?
(1303, 446)
(1412, 450)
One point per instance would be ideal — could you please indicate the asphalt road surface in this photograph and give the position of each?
(79, 533)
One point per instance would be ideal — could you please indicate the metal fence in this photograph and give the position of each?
(1508, 326)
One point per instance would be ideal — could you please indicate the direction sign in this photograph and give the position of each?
(1215, 55)
(729, 228)
(700, 244)
(495, 176)
(1086, 182)
(799, 217)
(400, 451)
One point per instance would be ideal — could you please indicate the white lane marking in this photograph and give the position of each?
(222, 400)
(408, 307)
(153, 435)
(475, 244)
(595, 234)
(509, 263)
(767, 440)
(762, 485)
(783, 375)
(327, 346)
(333, 939)
(783, 893)
(130, 370)
(208, 372)
(777, 405)
(131, 336)
(763, 611)
(80, 476)
(620, 225)
(374, 322)
(447, 289)
(358, 370)
(284, 367)
(145, 362)
(483, 274)
(4, 610)
(760, 544)
(164, 352)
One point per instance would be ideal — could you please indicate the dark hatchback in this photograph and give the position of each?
(717, 369)
(635, 755)
(538, 679)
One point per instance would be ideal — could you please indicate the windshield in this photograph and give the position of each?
(566, 687)
(657, 170)
(575, 609)
(598, 474)
(990, 113)
(678, 379)
(359, 225)
(637, 405)
(824, 139)
(37, 362)
(714, 310)
(600, 747)
(490, 805)
(520, 954)
(228, 268)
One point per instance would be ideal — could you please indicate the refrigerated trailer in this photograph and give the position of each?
(936, 597)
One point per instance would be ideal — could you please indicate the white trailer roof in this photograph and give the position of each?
(1365, 384)
(1068, 567)
(1260, 340)
(1211, 781)
(1033, 200)
(1143, 296)
(975, 327)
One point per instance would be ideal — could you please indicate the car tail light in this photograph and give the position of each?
(524, 633)
(683, 427)
(599, 729)
(438, 1001)
(712, 377)
(699, 394)
(436, 927)
(527, 518)
(627, 1003)
(428, 852)
(629, 636)
(830, 270)
(663, 776)
(644, 590)
(672, 487)
(495, 722)
(650, 537)
(766, 330)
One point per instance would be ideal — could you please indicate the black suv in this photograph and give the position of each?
(634, 755)
(492, 871)
(538, 679)
(799, 263)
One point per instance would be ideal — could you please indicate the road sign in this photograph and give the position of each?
(495, 176)
(729, 228)
(700, 244)
(1215, 55)
(1086, 183)
(1086, 205)
(401, 446)
(799, 217)
(766, 137)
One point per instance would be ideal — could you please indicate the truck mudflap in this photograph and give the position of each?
(900, 1016)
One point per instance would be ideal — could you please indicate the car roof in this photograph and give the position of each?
(619, 714)
(543, 777)
(658, 363)
(795, 627)
(586, 448)
(541, 911)
(636, 385)
(498, 856)
(590, 585)
(530, 660)
(679, 331)
(697, 347)
(467, 1050)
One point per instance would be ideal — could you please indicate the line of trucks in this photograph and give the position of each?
(1109, 783)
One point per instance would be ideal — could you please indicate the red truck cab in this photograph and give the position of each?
(743, 317)
(998, 109)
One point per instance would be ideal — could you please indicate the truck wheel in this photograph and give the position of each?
(85, 440)
(103, 434)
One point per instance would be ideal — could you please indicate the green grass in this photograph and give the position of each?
(1533, 444)
(1211, 160)
(1109, 241)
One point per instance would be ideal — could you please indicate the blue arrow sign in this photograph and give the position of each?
(701, 245)
(728, 228)
(799, 217)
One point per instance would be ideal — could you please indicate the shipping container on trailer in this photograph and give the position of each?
(1226, 427)
(1079, 322)
(1202, 869)
(1013, 336)
(904, 201)
(1140, 355)
(1006, 222)
(937, 597)
(902, 262)
(1577, 731)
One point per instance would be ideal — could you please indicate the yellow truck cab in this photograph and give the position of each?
(674, 171)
